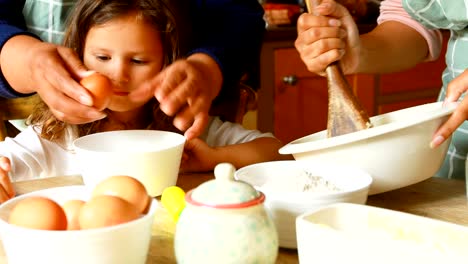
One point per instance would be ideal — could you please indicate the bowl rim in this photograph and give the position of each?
(4, 225)
(76, 142)
(357, 172)
(437, 109)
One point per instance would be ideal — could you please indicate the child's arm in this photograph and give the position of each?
(198, 156)
(6, 188)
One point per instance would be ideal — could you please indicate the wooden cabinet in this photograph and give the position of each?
(294, 102)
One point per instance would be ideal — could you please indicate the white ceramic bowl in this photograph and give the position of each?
(283, 182)
(395, 151)
(151, 156)
(352, 233)
(120, 244)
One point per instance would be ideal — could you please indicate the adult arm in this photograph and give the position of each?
(383, 52)
(11, 24)
(29, 65)
(395, 44)
(231, 32)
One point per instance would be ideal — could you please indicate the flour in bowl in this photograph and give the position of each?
(303, 182)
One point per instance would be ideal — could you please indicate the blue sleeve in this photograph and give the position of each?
(11, 24)
(230, 31)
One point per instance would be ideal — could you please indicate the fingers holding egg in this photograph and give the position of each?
(100, 88)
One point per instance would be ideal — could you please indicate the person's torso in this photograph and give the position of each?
(450, 15)
(47, 18)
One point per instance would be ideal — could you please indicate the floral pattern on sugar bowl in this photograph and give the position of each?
(224, 221)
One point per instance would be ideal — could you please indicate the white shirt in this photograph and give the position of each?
(34, 157)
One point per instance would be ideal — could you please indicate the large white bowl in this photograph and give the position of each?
(395, 151)
(282, 183)
(353, 233)
(151, 156)
(119, 244)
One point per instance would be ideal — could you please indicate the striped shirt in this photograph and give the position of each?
(451, 15)
(46, 18)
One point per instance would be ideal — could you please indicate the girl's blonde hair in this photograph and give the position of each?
(167, 17)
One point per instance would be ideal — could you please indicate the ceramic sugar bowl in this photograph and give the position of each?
(224, 221)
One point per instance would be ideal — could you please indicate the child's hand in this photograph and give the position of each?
(198, 156)
(6, 188)
(455, 89)
(185, 89)
(328, 34)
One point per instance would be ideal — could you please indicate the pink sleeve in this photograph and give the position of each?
(392, 10)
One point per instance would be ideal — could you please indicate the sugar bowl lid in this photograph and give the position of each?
(224, 191)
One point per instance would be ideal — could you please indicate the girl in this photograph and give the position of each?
(129, 41)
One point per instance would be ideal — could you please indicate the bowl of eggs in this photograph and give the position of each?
(77, 224)
(292, 189)
(395, 151)
(151, 156)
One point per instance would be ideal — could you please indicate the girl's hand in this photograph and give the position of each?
(185, 89)
(6, 188)
(455, 89)
(198, 156)
(328, 34)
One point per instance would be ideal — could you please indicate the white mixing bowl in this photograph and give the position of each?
(291, 190)
(395, 151)
(151, 156)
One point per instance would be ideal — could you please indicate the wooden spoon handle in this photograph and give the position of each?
(345, 113)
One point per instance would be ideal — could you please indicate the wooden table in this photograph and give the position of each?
(435, 198)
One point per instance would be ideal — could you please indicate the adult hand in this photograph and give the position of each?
(455, 89)
(6, 188)
(51, 71)
(328, 34)
(185, 89)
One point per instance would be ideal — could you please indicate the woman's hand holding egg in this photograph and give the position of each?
(101, 89)
(116, 200)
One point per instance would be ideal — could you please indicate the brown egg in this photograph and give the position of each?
(106, 210)
(100, 87)
(125, 187)
(38, 213)
(72, 211)
(148, 206)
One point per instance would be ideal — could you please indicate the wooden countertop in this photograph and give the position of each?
(435, 198)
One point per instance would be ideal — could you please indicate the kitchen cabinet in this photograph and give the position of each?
(292, 102)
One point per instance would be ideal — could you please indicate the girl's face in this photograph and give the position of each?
(128, 51)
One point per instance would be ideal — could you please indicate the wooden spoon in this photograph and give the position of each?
(345, 113)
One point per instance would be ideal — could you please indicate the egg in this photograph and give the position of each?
(38, 213)
(148, 206)
(72, 211)
(125, 187)
(106, 210)
(100, 87)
